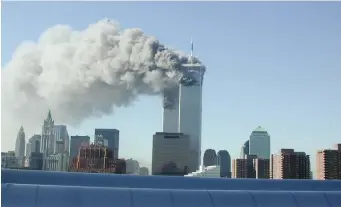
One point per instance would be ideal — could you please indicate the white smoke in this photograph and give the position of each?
(80, 74)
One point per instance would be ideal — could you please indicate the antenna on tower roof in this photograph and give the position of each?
(191, 58)
(191, 47)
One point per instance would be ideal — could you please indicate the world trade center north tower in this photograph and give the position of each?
(182, 108)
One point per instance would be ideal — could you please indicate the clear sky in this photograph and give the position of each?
(276, 65)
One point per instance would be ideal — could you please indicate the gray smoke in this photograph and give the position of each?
(80, 74)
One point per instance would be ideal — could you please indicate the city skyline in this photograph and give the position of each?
(290, 104)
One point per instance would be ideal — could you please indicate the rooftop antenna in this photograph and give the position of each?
(191, 48)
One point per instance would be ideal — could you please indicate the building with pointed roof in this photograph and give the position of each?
(259, 143)
(47, 136)
(20, 143)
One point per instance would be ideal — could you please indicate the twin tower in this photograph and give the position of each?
(182, 108)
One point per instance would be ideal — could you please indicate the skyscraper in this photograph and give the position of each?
(245, 149)
(110, 138)
(20, 144)
(76, 143)
(224, 161)
(210, 157)
(182, 108)
(33, 145)
(171, 155)
(260, 143)
(47, 136)
(61, 136)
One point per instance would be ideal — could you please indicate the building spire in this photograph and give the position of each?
(49, 116)
(21, 129)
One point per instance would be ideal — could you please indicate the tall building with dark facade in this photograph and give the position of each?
(75, 143)
(62, 139)
(210, 157)
(171, 154)
(328, 163)
(243, 168)
(245, 149)
(224, 161)
(33, 145)
(251, 167)
(110, 138)
(262, 168)
(289, 164)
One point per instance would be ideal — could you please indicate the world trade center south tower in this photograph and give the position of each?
(182, 108)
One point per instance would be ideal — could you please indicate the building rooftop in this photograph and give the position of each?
(259, 129)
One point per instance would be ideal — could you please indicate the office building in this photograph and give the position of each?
(243, 168)
(132, 167)
(262, 168)
(97, 159)
(245, 149)
(171, 154)
(33, 145)
(260, 143)
(20, 144)
(144, 171)
(76, 143)
(62, 139)
(8, 160)
(224, 161)
(289, 164)
(210, 157)
(182, 108)
(47, 142)
(36, 161)
(110, 138)
(328, 164)
(251, 167)
(57, 162)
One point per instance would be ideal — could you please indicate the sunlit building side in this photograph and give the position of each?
(97, 159)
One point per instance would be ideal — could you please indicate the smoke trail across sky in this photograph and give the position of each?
(80, 74)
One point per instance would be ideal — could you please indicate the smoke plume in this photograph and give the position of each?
(81, 74)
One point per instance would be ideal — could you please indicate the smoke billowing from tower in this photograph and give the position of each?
(80, 74)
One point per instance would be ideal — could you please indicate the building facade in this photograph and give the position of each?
(210, 157)
(260, 143)
(57, 162)
(9, 160)
(224, 161)
(47, 142)
(33, 145)
(245, 149)
(132, 167)
(289, 164)
(171, 154)
(328, 164)
(110, 138)
(20, 144)
(76, 143)
(62, 139)
(182, 109)
(97, 159)
(144, 171)
(251, 167)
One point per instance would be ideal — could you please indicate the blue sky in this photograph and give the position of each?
(271, 64)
